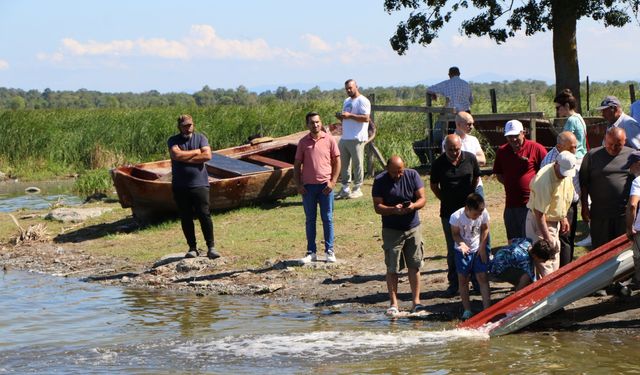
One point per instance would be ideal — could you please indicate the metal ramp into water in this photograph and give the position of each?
(589, 273)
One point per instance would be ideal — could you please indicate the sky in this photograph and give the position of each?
(181, 46)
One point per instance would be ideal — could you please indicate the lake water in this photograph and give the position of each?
(57, 325)
(13, 196)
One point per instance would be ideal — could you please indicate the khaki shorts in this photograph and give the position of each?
(402, 248)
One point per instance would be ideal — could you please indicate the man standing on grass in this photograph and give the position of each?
(456, 91)
(515, 165)
(190, 183)
(398, 194)
(605, 177)
(454, 175)
(315, 171)
(355, 134)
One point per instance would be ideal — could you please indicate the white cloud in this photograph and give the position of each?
(4, 64)
(204, 42)
(316, 43)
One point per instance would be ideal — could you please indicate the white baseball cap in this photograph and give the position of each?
(513, 127)
(567, 163)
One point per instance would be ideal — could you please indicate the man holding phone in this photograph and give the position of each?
(398, 194)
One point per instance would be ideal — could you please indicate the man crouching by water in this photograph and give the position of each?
(398, 194)
(190, 183)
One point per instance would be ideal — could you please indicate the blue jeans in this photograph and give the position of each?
(310, 201)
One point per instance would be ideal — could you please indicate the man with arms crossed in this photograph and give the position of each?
(190, 183)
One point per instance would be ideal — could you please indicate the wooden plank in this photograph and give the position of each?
(234, 166)
(508, 116)
(407, 108)
(269, 161)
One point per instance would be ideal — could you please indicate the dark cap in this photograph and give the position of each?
(609, 101)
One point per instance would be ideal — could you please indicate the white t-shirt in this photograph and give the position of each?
(635, 190)
(469, 229)
(352, 129)
(469, 144)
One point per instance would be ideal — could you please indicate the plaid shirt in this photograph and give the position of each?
(457, 92)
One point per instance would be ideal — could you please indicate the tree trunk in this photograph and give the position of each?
(565, 50)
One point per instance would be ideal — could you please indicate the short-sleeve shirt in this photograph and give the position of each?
(607, 182)
(551, 195)
(515, 255)
(518, 169)
(635, 110)
(576, 125)
(469, 144)
(469, 229)
(457, 91)
(394, 192)
(455, 181)
(635, 190)
(188, 175)
(316, 156)
(551, 157)
(352, 129)
(631, 128)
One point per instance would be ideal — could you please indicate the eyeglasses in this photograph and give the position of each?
(470, 123)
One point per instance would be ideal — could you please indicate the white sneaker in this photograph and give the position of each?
(343, 194)
(355, 194)
(310, 257)
(584, 242)
(331, 257)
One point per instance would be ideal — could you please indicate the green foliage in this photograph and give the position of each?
(93, 182)
(45, 143)
(499, 19)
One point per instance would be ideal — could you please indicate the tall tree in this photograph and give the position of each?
(501, 19)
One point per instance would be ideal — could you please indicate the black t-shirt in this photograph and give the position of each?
(189, 175)
(455, 181)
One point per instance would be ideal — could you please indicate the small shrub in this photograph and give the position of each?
(91, 182)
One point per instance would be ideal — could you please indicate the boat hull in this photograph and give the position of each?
(146, 187)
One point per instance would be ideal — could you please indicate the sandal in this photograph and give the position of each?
(417, 308)
(392, 311)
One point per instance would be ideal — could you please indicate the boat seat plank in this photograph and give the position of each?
(269, 161)
(234, 166)
(146, 174)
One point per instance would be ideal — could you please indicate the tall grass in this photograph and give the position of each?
(37, 144)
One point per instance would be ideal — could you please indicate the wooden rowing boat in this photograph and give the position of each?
(238, 176)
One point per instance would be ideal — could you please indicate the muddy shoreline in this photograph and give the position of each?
(350, 283)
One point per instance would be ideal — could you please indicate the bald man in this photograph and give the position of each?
(464, 126)
(454, 175)
(605, 177)
(398, 193)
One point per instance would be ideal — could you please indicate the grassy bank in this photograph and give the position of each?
(250, 236)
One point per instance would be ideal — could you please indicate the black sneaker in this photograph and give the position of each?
(192, 253)
(212, 253)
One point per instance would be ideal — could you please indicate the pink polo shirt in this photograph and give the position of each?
(316, 155)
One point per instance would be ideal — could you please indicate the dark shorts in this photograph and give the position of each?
(511, 275)
(470, 263)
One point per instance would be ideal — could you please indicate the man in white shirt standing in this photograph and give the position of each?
(456, 91)
(355, 133)
(464, 126)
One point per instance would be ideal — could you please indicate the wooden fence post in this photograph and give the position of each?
(494, 101)
(632, 93)
(429, 134)
(588, 93)
(533, 107)
(369, 146)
